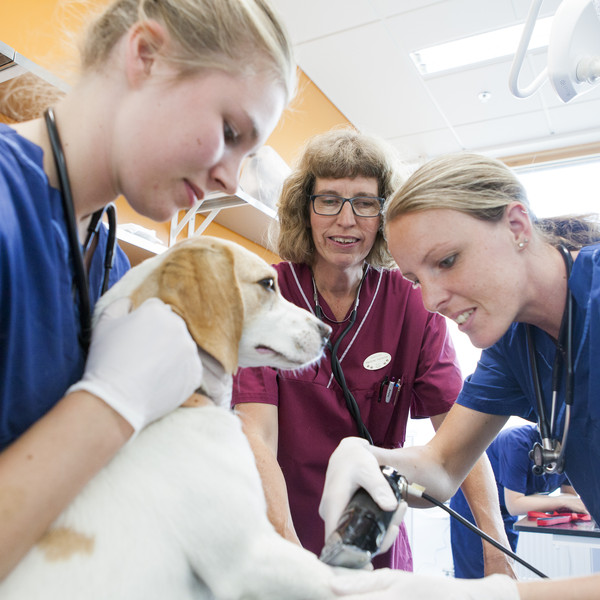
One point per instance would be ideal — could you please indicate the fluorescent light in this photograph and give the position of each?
(478, 48)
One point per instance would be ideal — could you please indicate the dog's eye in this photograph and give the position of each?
(268, 283)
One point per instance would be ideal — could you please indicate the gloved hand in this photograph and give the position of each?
(143, 363)
(394, 527)
(353, 465)
(216, 383)
(385, 584)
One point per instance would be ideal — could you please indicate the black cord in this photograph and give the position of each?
(81, 281)
(111, 242)
(482, 534)
(336, 366)
(338, 374)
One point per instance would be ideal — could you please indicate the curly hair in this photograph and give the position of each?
(336, 154)
(482, 187)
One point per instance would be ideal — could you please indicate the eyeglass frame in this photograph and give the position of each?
(344, 200)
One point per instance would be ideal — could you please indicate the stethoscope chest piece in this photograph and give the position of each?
(549, 456)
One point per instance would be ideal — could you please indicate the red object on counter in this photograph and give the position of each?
(544, 519)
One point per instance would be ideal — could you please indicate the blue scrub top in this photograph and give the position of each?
(509, 457)
(502, 384)
(40, 355)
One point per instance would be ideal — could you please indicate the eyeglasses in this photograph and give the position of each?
(362, 206)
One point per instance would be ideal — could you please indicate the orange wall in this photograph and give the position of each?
(36, 29)
(309, 113)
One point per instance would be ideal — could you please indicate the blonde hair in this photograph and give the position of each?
(336, 154)
(483, 187)
(239, 36)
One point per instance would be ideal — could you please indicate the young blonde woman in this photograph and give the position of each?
(527, 291)
(172, 95)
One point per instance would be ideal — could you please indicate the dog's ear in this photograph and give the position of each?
(199, 283)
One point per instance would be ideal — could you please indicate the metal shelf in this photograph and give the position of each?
(241, 213)
(13, 64)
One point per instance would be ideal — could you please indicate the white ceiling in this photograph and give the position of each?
(357, 53)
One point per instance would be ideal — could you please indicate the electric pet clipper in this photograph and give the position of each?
(362, 526)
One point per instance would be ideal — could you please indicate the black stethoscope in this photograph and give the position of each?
(81, 280)
(549, 456)
(336, 367)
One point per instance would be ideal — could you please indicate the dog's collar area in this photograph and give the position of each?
(198, 398)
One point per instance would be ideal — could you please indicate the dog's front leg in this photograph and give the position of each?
(230, 544)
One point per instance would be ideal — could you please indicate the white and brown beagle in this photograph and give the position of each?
(180, 513)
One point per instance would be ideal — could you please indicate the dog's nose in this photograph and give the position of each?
(324, 331)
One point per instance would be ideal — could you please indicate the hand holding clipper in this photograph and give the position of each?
(362, 528)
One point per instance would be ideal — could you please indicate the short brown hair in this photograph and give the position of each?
(336, 154)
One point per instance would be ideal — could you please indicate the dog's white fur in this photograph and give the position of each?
(180, 513)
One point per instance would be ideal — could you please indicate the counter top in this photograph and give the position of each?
(576, 528)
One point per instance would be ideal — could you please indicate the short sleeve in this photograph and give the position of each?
(438, 379)
(255, 384)
(514, 464)
(497, 385)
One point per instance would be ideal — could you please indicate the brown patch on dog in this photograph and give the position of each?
(212, 311)
(62, 543)
(198, 400)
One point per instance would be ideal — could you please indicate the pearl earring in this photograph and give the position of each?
(523, 243)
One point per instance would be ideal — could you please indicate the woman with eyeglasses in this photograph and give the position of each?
(388, 358)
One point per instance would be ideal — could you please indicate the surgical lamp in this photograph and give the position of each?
(573, 65)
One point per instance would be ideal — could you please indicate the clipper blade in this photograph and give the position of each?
(338, 554)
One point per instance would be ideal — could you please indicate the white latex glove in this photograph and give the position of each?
(353, 465)
(394, 527)
(143, 363)
(216, 383)
(385, 584)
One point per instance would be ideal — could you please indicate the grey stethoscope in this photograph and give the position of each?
(81, 280)
(549, 456)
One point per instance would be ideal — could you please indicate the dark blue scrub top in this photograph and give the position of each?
(40, 356)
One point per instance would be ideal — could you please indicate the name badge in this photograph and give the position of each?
(377, 361)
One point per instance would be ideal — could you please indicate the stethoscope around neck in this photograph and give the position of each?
(81, 281)
(549, 456)
(336, 367)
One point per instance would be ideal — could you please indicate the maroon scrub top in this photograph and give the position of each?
(313, 417)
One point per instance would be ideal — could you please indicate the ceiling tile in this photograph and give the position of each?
(371, 82)
(425, 144)
(501, 136)
(450, 20)
(313, 19)
(389, 8)
(580, 116)
(458, 94)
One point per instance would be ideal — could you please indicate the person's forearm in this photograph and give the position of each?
(576, 588)
(44, 469)
(420, 466)
(445, 461)
(274, 486)
(544, 503)
(481, 493)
